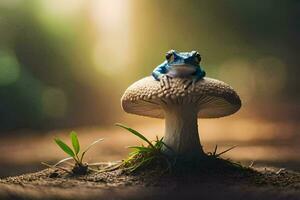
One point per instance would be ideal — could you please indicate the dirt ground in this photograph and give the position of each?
(256, 183)
(260, 141)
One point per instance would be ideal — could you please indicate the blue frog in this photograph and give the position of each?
(180, 64)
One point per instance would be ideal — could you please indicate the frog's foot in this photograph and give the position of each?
(187, 83)
(165, 81)
(190, 82)
(194, 81)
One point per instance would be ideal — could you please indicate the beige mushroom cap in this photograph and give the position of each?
(212, 98)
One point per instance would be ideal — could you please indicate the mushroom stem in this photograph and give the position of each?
(181, 131)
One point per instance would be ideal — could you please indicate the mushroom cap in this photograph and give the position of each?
(212, 98)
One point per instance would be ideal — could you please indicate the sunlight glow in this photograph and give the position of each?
(112, 51)
(61, 8)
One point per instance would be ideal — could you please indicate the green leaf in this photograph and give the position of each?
(75, 142)
(64, 147)
(135, 133)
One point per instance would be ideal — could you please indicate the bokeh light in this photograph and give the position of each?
(270, 76)
(54, 102)
(112, 51)
(246, 73)
(9, 68)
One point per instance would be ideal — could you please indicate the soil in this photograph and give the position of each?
(229, 182)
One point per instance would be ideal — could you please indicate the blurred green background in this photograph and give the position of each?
(65, 63)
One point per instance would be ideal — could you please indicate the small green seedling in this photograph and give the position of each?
(75, 154)
(143, 156)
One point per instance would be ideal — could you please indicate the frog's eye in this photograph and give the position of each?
(170, 56)
(197, 57)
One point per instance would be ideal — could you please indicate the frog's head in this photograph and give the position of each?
(187, 59)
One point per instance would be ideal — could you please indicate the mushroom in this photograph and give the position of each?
(181, 104)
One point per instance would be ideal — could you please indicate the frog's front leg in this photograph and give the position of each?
(157, 75)
(198, 75)
(159, 71)
(165, 81)
(160, 74)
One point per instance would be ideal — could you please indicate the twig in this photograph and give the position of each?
(251, 164)
(219, 154)
(280, 170)
(53, 167)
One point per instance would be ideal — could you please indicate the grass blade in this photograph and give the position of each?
(159, 144)
(167, 146)
(219, 154)
(64, 147)
(51, 166)
(215, 150)
(75, 142)
(143, 163)
(62, 161)
(140, 148)
(135, 133)
(88, 147)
